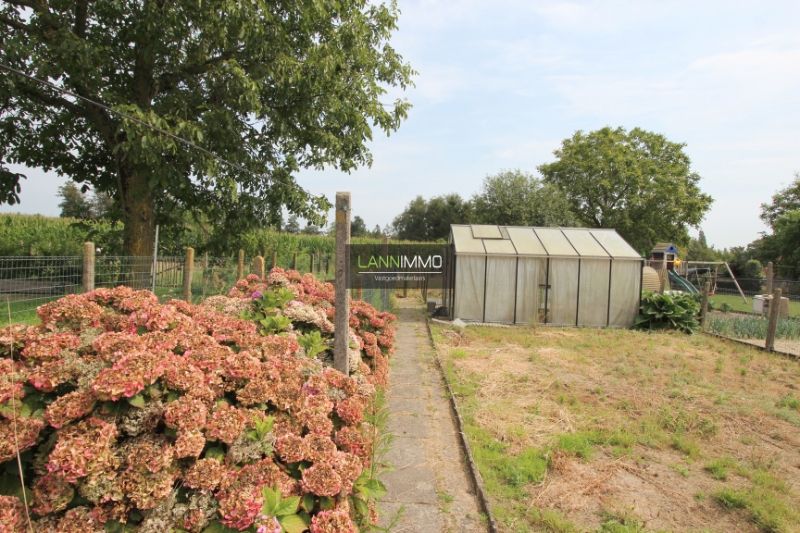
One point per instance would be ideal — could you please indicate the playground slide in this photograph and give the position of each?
(679, 283)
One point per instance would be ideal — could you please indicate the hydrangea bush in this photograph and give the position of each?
(129, 414)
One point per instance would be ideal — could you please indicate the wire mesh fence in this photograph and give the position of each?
(28, 282)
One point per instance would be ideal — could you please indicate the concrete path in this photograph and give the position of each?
(428, 487)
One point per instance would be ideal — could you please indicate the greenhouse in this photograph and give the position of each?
(527, 275)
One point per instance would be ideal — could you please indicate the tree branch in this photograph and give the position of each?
(81, 16)
(169, 80)
(15, 24)
(45, 98)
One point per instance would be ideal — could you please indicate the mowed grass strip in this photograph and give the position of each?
(616, 430)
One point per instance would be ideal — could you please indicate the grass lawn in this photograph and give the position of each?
(623, 431)
(737, 304)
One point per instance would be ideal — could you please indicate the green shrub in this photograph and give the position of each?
(669, 311)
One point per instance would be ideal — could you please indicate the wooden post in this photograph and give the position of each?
(385, 288)
(188, 272)
(311, 262)
(341, 335)
(704, 304)
(772, 325)
(274, 258)
(327, 264)
(770, 278)
(240, 265)
(730, 273)
(88, 266)
(258, 266)
(294, 260)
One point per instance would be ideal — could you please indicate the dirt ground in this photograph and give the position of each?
(638, 431)
(787, 346)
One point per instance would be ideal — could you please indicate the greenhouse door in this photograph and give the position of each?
(501, 279)
(530, 289)
(562, 300)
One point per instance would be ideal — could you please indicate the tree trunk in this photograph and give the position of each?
(139, 233)
(139, 215)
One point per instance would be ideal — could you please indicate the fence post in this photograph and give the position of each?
(258, 267)
(88, 266)
(341, 336)
(240, 265)
(770, 277)
(385, 288)
(772, 325)
(294, 260)
(311, 262)
(704, 304)
(274, 258)
(188, 272)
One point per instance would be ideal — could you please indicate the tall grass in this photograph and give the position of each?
(35, 235)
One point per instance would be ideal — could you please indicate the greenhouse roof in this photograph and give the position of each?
(540, 242)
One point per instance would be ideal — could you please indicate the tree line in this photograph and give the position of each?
(637, 182)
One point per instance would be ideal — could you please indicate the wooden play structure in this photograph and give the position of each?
(665, 271)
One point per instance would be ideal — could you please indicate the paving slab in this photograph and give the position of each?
(428, 485)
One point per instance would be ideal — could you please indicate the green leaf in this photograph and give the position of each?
(272, 497)
(326, 503)
(217, 527)
(361, 507)
(215, 452)
(376, 488)
(293, 523)
(287, 506)
(308, 502)
(137, 401)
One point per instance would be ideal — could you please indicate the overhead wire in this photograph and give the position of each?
(126, 116)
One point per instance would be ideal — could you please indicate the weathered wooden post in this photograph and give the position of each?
(188, 272)
(294, 260)
(342, 316)
(704, 304)
(772, 325)
(770, 278)
(311, 262)
(385, 287)
(258, 266)
(274, 258)
(240, 265)
(88, 266)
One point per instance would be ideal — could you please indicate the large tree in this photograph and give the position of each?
(429, 220)
(783, 201)
(77, 203)
(517, 198)
(260, 90)
(782, 244)
(635, 181)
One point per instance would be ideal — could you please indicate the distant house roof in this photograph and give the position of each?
(665, 248)
(540, 242)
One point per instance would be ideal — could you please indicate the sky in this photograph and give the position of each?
(500, 84)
